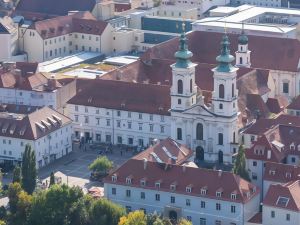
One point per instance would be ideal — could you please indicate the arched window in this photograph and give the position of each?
(179, 134)
(233, 137)
(220, 106)
(221, 91)
(199, 131)
(179, 101)
(191, 85)
(241, 60)
(220, 138)
(179, 86)
(232, 90)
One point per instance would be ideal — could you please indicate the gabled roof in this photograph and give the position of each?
(81, 22)
(295, 104)
(289, 191)
(30, 125)
(135, 97)
(281, 173)
(167, 151)
(3, 29)
(206, 46)
(55, 7)
(277, 105)
(184, 177)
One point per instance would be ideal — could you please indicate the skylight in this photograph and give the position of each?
(282, 201)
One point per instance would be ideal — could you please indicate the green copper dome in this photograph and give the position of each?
(243, 39)
(225, 59)
(183, 55)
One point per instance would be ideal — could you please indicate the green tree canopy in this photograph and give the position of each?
(103, 211)
(101, 164)
(133, 218)
(52, 179)
(29, 172)
(17, 175)
(240, 164)
(14, 190)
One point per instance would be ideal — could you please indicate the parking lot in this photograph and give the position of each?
(73, 168)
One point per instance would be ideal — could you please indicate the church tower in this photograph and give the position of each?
(184, 89)
(243, 53)
(224, 98)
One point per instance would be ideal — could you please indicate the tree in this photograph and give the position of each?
(23, 208)
(184, 222)
(52, 179)
(79, 212)
(14, 190)
(239, 167)
(29, 172)
(17, 175)
(101, 165)
(103, 211)
(133, 218)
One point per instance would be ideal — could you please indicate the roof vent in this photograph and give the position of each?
(220, 173)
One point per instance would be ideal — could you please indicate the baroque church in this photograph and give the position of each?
(212, 131)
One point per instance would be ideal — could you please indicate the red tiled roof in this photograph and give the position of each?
(167, 146)
(24, 126)
(264, 125)
(290, 190)
(120, 7)
(183, 177)
(81, 22)
(283, 173)
(255, 104)
(277, 105)
(206, 46)
(27, 67)
(295, 104)
(263, 150)
(136, 97)
(55, 7)
(257, 218)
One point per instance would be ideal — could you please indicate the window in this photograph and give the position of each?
(151, 117)
(86, 119)
(191, 85)
(221, 91)
(130, 141)
(188, 202)
(241, 60)
(108, 122)
(119, 113)
(118, 123)
(199, 131)
(162, 129)
(140, 116)
(288, 217)
(76, 118)
(218, 206)
(113, 191)
(128, 193)
(220, 106)
(218, 222)
(189, 218)
(129, 114)
(172, 199)
(273, 214)
(179, 87)
(140, 126)
(232, 209)
(202, 221)
(157, 197)
(254, 163)
(151, 127)
(162, 119)
(143, 195)
(220, 139)
(119, 140)
(129, 125)
(179, 101)
(179, 134)
(285, 88)
(232, 90)
(202, 204)
(128, 209)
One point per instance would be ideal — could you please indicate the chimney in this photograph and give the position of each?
(18, 76)
(97, 76)
(145, 163)
(51, 82)
(184, 168)
(219, 173)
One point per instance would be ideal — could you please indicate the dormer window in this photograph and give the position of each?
(203, 191)
(114, 178)
(233, 196)
(219, 194)
(157, 184)
(248, 194)
(288, 175)
(173, 187)
(292, 146)
(128, 180)
(272, 172)
(188, 189)
(143, 182)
